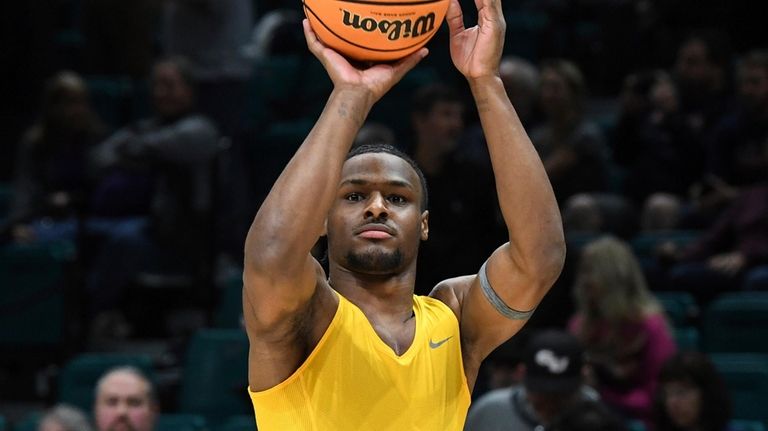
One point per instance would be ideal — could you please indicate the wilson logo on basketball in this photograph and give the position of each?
(394, 29)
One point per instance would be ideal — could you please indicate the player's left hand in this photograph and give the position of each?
(476, 51)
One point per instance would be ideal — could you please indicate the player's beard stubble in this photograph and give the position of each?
(375, 261)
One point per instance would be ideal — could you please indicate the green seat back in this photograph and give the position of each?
(681, 307)
(216, 375)
(745, 425)
(687, 338)
(28, 422)
(746, 376)
(32, 294)
(230, 307)
(737, 322)
(180, 422)
(238, 423)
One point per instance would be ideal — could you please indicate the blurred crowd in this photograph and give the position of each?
(145, 135)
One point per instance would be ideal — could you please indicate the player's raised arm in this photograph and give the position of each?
(280, 276)
(520, 272)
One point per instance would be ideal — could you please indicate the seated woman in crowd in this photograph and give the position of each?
(622, 326)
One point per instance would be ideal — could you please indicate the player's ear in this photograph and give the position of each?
(424, 225)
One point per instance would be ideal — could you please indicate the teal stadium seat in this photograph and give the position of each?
(744, 425)
(737, 322)
(635, 425)
(681, 307)
(33, 281)
(180, 422)
(215, 378)
(687, 338)
(238, 423)
(28, 423)
(746, 376)
(3, 424)
(78, 378)
(229, 310)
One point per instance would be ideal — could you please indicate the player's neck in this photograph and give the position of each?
(381, 295)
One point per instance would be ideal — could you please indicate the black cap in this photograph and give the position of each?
(553, 362)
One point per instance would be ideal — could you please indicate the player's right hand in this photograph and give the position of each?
(376, 79)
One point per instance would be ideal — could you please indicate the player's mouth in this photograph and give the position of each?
(375, 231)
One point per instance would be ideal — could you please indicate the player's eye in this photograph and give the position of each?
(354, 197)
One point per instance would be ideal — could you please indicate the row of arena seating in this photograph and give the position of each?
(170, 422)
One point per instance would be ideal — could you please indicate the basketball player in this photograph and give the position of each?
(354, 349)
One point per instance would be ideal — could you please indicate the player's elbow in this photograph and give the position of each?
(553, 262)
(544, 266)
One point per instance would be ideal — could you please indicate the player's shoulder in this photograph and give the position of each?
(452, 291)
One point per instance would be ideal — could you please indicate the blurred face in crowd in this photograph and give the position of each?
(693, 65)
(557, 99)
(68, 103)
(442, 125)
(124, 403)
(172, 94)
(753, 88)
(682, 400)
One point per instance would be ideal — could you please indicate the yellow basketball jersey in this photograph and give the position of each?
(353, 381)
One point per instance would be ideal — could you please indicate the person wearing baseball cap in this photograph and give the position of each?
(552, 380)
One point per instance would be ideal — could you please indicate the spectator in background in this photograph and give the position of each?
(691, 396)
(462, 195)
(163, 164)
(63, 417)
(622, 326)
(552, 380)
(573, 150)
(732, 253)
(701, 76)
(653, 142)
(51, 177)
(125, 399)
(212, 34)
(521, 81)
(737, 155)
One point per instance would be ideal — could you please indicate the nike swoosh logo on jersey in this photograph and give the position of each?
(434, 345)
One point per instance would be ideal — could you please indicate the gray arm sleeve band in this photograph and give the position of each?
(497, 302)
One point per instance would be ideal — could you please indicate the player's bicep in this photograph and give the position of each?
(497, 303)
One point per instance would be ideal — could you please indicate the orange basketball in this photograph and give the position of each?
(375, 30)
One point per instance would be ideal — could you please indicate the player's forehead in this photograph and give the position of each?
(379, 167)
